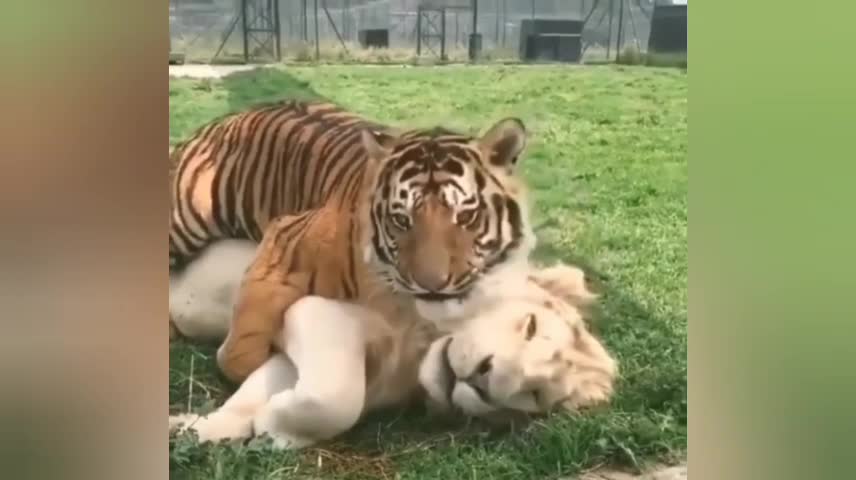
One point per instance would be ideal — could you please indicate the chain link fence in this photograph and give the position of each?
(215, 30)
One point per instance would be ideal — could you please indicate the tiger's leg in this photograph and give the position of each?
(267, 291)
(326, 341)
(257, 319)
(235, 418)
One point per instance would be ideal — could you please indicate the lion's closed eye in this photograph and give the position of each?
(531, 326)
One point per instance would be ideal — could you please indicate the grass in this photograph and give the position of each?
(332, 52)
(608, 170)
(299, 53)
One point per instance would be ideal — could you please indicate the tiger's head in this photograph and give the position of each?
(447, 209)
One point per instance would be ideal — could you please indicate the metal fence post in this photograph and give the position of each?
(419, 31)
(618, 42)
(609, 35)
(278, 29)
(246, 33)
(317, 45)
(443, 34)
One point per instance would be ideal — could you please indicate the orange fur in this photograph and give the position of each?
(315, 185)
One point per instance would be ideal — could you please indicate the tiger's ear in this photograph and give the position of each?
(378, 143)
(503, 143)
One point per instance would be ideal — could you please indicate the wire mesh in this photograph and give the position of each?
(199, 27)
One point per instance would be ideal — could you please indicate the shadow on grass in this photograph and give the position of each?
(646, 419)
(265, 85)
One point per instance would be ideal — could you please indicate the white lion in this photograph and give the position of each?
(527, 350)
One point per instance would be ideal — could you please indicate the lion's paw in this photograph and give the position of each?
(180, 423)
(215, 427)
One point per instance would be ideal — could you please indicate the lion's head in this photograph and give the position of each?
(446, 209)
(528, 352)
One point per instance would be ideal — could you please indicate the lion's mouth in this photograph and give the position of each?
(440, 297)
(448, 372)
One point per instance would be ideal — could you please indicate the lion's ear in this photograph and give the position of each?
(594, 373)
(566, 282)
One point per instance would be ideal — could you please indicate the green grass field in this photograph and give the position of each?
(608, 170)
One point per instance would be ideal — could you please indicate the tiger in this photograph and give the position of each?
(346, 208)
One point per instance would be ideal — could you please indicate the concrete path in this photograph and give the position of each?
(678, 472)
(209, 71)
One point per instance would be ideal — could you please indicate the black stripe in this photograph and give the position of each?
(306, 158)
(234, 184)
(189, 208)
(351, 190)
(292, 178)
(268, 159)
(350, 278)
(376, 235)
(453, 167)
(331, 155)
(299, 222)
(328, 163)
(514, 216)
(259, 155)
(189, 245)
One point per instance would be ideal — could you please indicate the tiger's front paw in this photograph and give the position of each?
(237, 363)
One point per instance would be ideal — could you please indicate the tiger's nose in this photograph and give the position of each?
(432, 280)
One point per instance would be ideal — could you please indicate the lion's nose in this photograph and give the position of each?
(485, 366)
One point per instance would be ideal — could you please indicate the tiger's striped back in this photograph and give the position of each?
(238, 173)
(345, 209)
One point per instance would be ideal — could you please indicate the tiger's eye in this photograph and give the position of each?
(464, 218)
(401, 221)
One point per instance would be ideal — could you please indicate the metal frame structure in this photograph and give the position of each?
(609, 12)
(259, 26)
(304, 12)
(428, 31)
(261, 31)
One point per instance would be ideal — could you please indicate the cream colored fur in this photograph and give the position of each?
(340, 360)
(202, 297)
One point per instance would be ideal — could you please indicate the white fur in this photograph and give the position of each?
(562, 361)
(322, 340)
(202, 297)
(316, 389)
(235, 418)
(313, 392)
